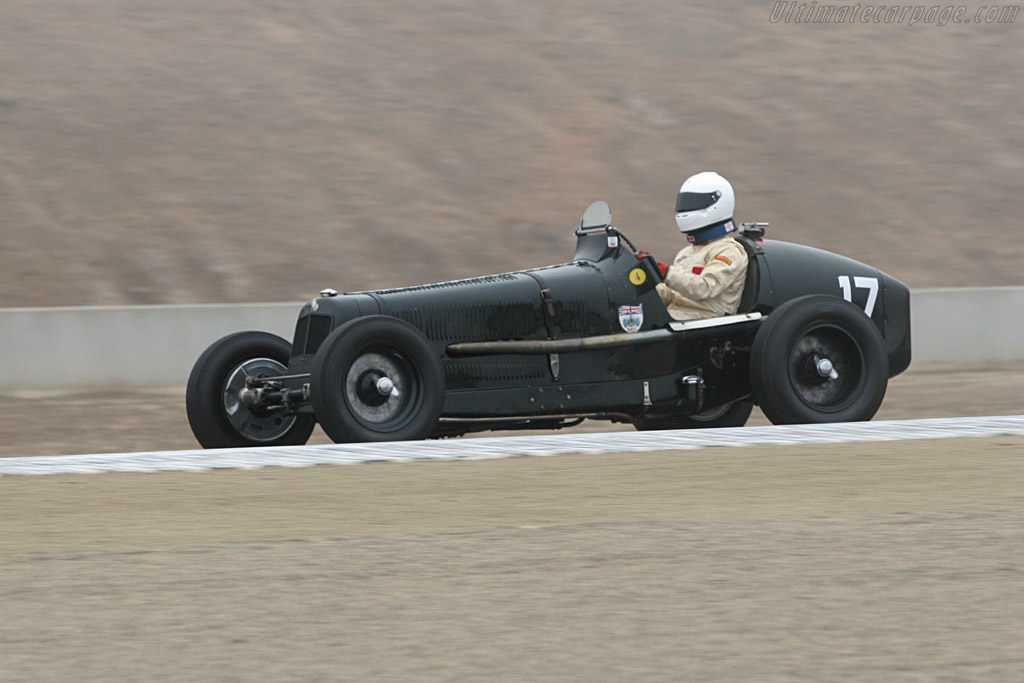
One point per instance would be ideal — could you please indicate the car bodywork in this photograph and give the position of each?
(580, 300)
(591, 338)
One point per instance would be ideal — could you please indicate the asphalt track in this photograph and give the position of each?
(895, 561)
(874, 561)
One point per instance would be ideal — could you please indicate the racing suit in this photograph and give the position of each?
(705, 280)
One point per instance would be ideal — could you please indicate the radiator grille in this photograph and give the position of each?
(310, 332)
(301, 333)
(319, 328)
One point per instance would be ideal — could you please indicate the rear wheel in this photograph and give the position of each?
(219, 419)
(733, 414)
(818, 359)
(377, 379)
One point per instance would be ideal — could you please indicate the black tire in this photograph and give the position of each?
(218, 419)
(786, 378)
(354, 359)
(733, 414)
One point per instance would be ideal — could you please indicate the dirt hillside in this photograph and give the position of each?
(259, 151)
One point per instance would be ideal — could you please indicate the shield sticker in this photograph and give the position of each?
(631, 318)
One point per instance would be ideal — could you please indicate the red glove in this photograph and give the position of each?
(640, 255)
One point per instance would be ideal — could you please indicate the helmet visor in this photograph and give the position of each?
(696, 201)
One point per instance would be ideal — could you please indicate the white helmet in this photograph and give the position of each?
(704, 199)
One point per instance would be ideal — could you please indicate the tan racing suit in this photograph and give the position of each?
(705, 280)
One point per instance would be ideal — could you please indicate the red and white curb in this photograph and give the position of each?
(513, 446)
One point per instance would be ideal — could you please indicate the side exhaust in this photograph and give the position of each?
(676, 330)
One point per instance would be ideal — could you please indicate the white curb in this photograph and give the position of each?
(512, 446)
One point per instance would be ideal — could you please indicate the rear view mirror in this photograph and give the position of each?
(598, 215)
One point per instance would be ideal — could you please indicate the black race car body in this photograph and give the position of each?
(815, 339)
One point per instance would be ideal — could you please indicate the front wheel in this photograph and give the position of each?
(377, 379)
(818, 359)
(219, 419)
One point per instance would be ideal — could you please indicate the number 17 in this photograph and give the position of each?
(868, 283)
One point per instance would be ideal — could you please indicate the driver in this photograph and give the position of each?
(706, 278)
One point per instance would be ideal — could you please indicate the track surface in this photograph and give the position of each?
(896, 562)
(860, 562)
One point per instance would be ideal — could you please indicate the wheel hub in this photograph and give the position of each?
(823, 368)
(386, 387)
(375, 388)
(826, 369)
(247, 417)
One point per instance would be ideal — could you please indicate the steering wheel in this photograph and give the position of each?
(650, 266)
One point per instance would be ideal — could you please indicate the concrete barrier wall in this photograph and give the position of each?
(969, 325)
(157, 345)
(122, 345)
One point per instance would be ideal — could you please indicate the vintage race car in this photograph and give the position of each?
(816, 339)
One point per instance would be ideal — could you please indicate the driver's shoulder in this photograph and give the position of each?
(728, 248)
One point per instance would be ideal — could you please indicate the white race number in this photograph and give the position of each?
(868, 283)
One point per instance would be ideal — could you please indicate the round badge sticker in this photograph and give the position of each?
(637, 276)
